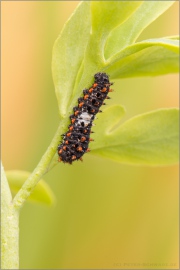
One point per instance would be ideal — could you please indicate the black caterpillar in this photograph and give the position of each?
(76, 140)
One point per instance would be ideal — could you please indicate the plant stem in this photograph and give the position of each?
(10, 208)
(40, 170)
(9, 228)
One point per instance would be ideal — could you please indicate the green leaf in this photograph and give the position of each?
(41, 194)
(148, 58)
(78, 53)
(68, 53)
(127, 33)
(147, 139)
(107, 15)
(81, 51)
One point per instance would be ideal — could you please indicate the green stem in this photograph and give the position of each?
(10, 208)
(9, 228)
(40, 170)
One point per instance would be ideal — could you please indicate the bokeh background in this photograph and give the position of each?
(107, 215)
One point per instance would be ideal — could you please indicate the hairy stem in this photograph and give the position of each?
(9, 228)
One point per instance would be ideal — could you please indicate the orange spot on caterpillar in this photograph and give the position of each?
(104, 90)
(76, 113)
(80, 104)
(90, 90)
(79, 148)
(83, 139)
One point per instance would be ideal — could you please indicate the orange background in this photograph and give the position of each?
(107, 215)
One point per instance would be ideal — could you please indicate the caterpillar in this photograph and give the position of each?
(76, 140)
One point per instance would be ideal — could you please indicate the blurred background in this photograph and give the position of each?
(107, 215)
